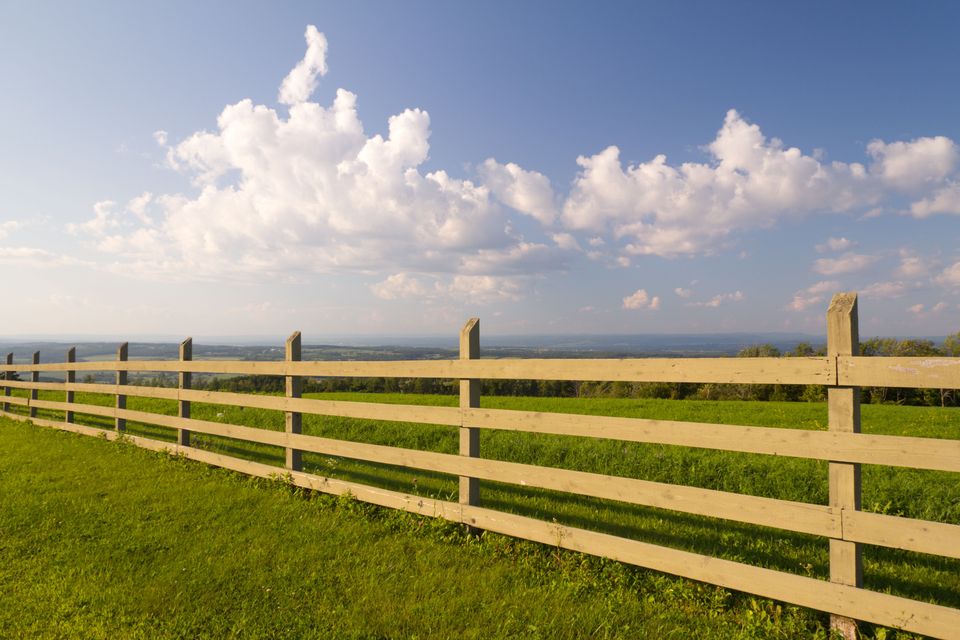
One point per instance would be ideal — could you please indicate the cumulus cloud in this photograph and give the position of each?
(683, 293)
(528, 192)
(306, 190)
(812, 295)
(749, 182)
(312, 192)
(912, 165)
(718, 300)
(301, 82)
(945, 200)
(641, 300)
(846, 263)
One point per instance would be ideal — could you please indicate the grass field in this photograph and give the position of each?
(922, 494)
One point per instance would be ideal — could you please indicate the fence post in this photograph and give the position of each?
(469, 399)
(34, 378)
(71, 378)
(843, 339)
(122, 353)
(184, 380)
(294, 388)
(7, 376)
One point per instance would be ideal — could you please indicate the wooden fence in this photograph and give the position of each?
(842, 445)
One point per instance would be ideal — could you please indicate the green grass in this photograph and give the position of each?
(920, 494)
(105, 540)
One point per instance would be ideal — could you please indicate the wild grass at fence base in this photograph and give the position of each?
(101, 539)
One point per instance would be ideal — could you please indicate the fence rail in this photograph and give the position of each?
(841, 521)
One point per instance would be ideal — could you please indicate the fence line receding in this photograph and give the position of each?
(841, 520)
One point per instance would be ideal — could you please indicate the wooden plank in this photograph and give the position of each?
(936, 538)
(916, 372)
(899, 451)
(69, 378)
(184, 379)
(293, 387)
(30, 384)
(425, 414)
(127, 390)
(719, 370)
(6, 386)
(843, 600)
(843, 408)
(781, 514)
(121, 399)
(35, 379)
(469, 399)
(892, 611)
(17, 400)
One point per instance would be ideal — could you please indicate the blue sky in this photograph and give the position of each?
(195, 168)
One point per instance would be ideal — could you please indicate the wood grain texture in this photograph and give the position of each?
(843, 409)
(469, 399)
(718, 370)
(293, 386)
(920, 373)
(184, 380)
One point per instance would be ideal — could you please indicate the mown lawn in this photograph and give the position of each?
(921, 494)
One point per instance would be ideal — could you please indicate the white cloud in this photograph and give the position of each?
(279, 197)
(812, 295)
(916, 309)
(641, 300)
(683, 293)
(749, 182)
(834, 244)
(884, 290)
(846, 263)
(301, 82)
(566, 241)
(528, 192)
(913, 165)
(473, 289)
(940, 306)
(945, 200)
(719, 299)
(752, 182)
(8, 227)
(949, 277)
(912, 265)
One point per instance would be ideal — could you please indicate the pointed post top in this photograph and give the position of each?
(36, 357)
(293, 346)
(10, 358)
(470, 339)
(123, 350)
(72, 354)
(843, 337)
(843, 303)
(186, 349)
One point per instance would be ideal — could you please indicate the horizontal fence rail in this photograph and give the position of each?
(841, 521)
